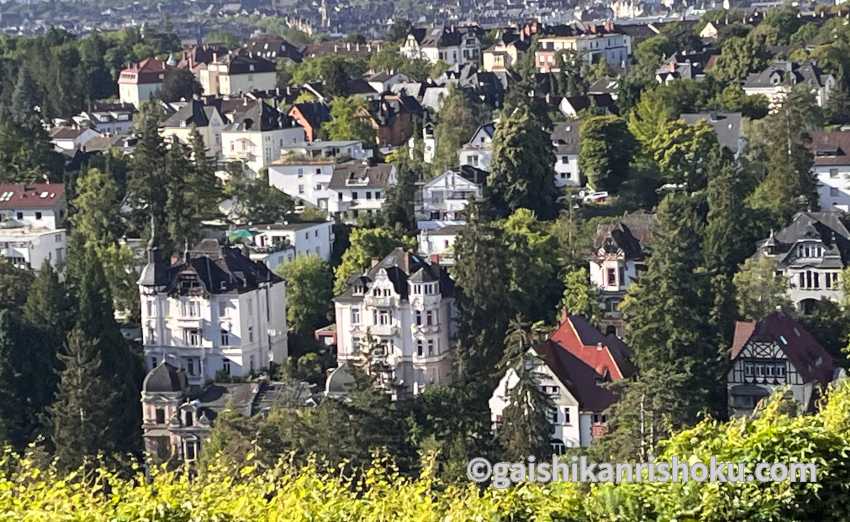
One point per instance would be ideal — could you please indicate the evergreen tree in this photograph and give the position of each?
(525, 429)
(13, 413)
(482, 277)
(81, 415)
(668, 312)
(182, 227)
(119, 366)
(206, 187)
(759, 290)
(309, 291)
(146, 190)
(728, 231)
(25, 102)
(522, 170)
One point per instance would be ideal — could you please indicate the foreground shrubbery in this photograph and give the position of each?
(28, 493)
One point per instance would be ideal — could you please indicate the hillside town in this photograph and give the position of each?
(572, 237)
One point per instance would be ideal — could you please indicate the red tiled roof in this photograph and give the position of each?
(602, 353)
(36, 195)
(149, 70)
(583, 382)
(831, 148)
(811, 360)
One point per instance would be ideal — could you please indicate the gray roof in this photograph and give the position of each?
(193, 113)
(824, 227)
(357, 175)
(261, 117)
(727, 126)
(165, 378)
(787, 73)
(632, 234)
(565, 137)
(400, 267)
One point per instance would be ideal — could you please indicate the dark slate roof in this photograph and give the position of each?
(727, 126)
(247, 64)
(193, 113)
(261, 117)
(826, 227)
(400, 267)
(582, 380)
(632, 234)
(385, 110)
(810, 359)
(357, 175)
(273, 45)
(565, 137)
(786, 73)
(316, 113)
(165, 378)
(831, 148)
(603, 101)
(209, 267)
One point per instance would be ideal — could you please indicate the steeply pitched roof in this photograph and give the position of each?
(247, 64)
(632, 234)
(210, 267)
(400, 266)
(605, 354)
(785, 73)
(192, 113)
(811, 360)
(260, 117)
(315, 113)
(826, 227)
(149, 70)
(582, 380)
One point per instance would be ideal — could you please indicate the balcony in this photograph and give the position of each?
(379, 301)
(384, 330)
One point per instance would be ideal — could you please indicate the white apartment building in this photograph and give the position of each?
(454, 46)
(397, 320)
(359, 189)
(32, 219)
(478, 151)
(213, 313)
(257, 136)
(233, 74)
(443, 200)
(107, 118)
(304, 170)
(832, 169)
(280, 243)
(141, 81)
(614, 48)
(777, 80)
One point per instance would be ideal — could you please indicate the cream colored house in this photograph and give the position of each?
(194, 115)
(234, 74)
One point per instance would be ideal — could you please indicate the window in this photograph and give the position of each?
(251, 364)
(151, 335)
(38, 215)
(418, 318)
(250, 334)
(149, 307)
(159, 414)
(222, 308)
(190, 366)
(833, 173)
(189, 419)
(612, 277)
(429, 318)
(154, 362)
(377, 194)
(419, 348)
(355, 316)
(192, 336)
(20, 215)
(430, 347)
(355, 344)
(225, 338)
(225, 365)
(300, 189)
(354, 195)
(566, 415)
(384, 317)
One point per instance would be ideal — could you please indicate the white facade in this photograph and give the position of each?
(110, 123)
(279, 244)
(465, 48)
(210, 133)
(614, 48)
(72, 139)
(411, 334)
(443, 200)
(567, 173)
(303, 179)
(217, 79)
(31, 225)
(567, 419)
(258, 149)
(478, 151)
(236, 331)
(833, 186)
(138, 93)
(439, 243)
